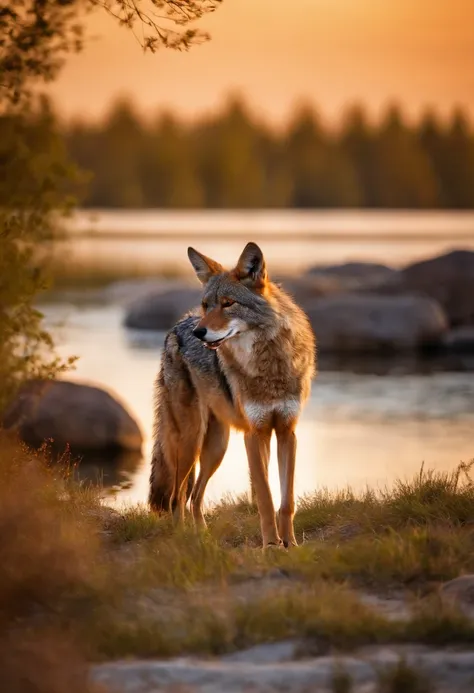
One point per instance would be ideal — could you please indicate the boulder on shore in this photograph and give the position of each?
(66, 413)
(368, 323)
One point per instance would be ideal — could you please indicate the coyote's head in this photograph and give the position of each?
(233, 301)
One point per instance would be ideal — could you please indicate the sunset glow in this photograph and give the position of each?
(329, 52)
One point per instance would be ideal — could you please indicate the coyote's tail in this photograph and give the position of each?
(160, 496)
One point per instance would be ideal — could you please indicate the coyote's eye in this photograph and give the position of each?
(204, 306)
(227, 302)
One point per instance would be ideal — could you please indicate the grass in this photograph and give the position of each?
(49, 574)
(418, 533)
(222, 593)
(326, 618)
(107, 584)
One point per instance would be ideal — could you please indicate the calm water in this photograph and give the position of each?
(359, 428)
(292, 240)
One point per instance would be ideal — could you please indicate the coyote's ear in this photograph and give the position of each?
(251, 266)
(203, 266)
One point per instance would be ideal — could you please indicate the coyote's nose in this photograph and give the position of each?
(200, 332)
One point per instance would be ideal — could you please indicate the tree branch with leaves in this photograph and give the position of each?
(36, 37)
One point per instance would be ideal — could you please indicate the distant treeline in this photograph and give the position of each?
(234, 161)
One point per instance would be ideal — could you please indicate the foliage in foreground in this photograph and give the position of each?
(49, 575)
(35, 172)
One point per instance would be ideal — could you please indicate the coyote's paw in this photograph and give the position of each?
(272, 546)
(290, 544)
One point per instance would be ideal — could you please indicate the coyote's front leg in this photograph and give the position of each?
(257, 444)
(286, 439)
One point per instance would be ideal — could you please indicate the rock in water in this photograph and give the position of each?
(160, 310)
(368, 323)
(448, 279)
(356, 275)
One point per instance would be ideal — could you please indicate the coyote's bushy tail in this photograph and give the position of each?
(176, 421)
(161, 484)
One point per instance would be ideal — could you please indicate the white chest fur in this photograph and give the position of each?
(241, 348)
(257, 412)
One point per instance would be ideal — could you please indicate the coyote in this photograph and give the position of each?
(245, 360)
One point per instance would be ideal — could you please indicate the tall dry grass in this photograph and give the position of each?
(49, 571)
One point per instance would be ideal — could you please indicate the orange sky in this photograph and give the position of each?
(331, 52)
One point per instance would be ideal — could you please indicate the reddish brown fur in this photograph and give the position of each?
(216, 319)
(268, 364)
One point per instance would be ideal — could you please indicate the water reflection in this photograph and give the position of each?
(113, 470)
(369, 420)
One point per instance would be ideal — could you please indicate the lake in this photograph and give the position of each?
(292, 240)
(366, 424)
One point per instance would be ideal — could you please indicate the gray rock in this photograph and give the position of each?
(460, 590)
(160, 310)
(277, 652)
(449, 279)
(127, 291)
(355, 275)
(81, 416)
(367, 322)
(450, 671)
(394, 607)
(304, 289)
